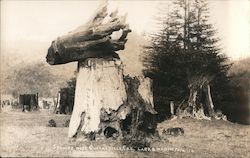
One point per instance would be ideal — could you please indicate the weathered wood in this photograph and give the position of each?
(139, 91)
(104, 97)
(99, 87)
(171, 107)
(195, 106)
(140, 121)
(209, 101)
(94, 40)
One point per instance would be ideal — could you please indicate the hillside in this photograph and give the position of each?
(130, 56)
(240, 71)
(237, 101)
(24, 68)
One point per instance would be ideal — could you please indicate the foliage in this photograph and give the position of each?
(33, 78)
(184, 48)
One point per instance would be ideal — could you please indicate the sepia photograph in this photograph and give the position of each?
(125, 78)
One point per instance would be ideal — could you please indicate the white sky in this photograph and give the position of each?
(46, 20)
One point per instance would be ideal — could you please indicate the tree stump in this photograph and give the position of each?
(99, 87)
(103, 96)
(140, 123)
(199, 103)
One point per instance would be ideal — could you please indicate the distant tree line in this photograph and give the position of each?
(32, 79)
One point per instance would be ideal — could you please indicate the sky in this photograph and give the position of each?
(44, 21)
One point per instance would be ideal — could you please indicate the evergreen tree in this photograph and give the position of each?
(184, 59)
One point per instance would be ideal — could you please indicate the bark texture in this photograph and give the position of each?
(104, 97)
(139, 125)
(99, 87)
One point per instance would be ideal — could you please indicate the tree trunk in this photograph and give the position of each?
(199, 104)
(141, 124)
(209, 101)
(171, 107)
(99, 86)
(103, 98)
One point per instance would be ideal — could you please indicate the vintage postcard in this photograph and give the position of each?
(124, 78)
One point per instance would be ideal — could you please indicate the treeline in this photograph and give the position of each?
(35, 77)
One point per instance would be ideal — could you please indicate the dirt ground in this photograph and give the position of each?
(27, 135)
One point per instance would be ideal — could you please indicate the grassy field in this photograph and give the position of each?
(27, 135)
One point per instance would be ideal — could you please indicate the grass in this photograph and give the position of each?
(27, 135)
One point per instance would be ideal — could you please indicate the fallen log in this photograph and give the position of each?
(93, 40)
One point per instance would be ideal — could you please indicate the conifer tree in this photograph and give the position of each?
(184, 59)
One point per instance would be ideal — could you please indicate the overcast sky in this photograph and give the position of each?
(46, 20)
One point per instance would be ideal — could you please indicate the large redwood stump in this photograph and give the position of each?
(99, 87)
(103, 97)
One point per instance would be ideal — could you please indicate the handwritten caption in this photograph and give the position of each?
(122, 148)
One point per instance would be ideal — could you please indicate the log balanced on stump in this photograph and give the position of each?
(92, 40)
(103, 97)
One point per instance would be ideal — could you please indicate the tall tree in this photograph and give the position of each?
(160, 63)
(184, 59)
